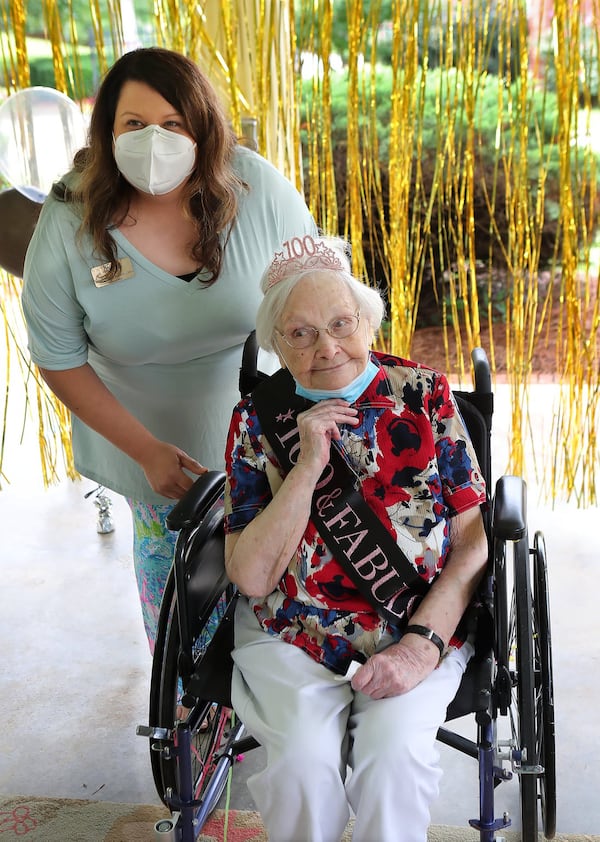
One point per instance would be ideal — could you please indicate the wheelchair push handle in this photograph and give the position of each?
(203, 494)
(250, 376)
(481, 371)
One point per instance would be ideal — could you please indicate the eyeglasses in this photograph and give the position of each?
(304, 337)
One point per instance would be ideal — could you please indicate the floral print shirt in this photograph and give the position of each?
(416, 467)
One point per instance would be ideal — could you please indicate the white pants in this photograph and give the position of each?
(314, 726)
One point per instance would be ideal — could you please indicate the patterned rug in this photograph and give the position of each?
(62, 820)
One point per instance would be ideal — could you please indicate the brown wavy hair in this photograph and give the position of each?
(213, 188)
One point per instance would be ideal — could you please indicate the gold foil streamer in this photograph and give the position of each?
(315, 29)
(33, 403)
(403, 239)
(576, 454)
(54, 29)
(230, 56)
(14, 51)
(245, 47)
(354, 169)
(98, 31)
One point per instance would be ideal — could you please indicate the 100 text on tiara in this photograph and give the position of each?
(299, 255)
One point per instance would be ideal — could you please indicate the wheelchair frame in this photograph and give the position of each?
(195, 737)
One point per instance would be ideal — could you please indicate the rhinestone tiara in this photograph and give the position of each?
(301, 254)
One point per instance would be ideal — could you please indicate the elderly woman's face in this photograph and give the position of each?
(316, 301)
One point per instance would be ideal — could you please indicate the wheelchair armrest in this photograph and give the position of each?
(203, 494)
(509, 517)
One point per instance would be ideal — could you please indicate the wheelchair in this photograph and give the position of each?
(508, 681)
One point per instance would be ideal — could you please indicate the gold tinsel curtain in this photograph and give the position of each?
(410, 199)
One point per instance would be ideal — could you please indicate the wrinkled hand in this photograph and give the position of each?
(163, 466)
(397, 669)
(318, 426)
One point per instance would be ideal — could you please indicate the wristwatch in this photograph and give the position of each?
(423, 631)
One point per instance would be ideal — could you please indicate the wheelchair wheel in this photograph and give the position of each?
(155, 680)
(523, 668)
(532, 710)
(208, 721)
(544, 688)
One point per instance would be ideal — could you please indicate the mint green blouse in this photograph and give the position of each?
(169, 350)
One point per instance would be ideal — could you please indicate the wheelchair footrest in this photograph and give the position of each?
(154, 733)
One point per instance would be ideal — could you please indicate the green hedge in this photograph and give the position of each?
(540, 112)
(42, 73)
(541, 115)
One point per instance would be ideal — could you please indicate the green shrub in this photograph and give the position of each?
(539, 110)
(441, 90)
(42, 73)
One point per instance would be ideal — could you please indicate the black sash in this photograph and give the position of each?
(350, 528)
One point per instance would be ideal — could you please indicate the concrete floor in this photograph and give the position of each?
(75, 666)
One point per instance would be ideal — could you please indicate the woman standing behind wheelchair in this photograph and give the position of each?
(347, 658)
(141, 283)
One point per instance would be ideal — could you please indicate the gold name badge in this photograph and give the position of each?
(125, 271)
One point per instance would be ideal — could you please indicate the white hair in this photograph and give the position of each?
(276, 292)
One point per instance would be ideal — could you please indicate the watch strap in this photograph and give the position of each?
(424, 631)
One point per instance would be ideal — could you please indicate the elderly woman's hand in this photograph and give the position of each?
(318, 426)
(257, 556)
(397, 669)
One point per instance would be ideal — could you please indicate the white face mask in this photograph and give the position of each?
(154, 159)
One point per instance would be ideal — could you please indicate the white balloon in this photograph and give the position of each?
(40, 131)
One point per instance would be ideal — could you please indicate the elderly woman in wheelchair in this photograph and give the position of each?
(355, 537)
(360, 467)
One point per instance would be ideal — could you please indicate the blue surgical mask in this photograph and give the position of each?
(347, 393)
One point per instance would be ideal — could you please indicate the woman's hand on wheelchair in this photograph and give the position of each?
(397, 669)
(165, 467)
